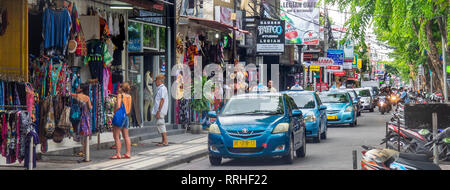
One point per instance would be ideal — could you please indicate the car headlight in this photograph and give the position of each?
(349, 108)
(310, 118)
(214, 129)
(281, 128)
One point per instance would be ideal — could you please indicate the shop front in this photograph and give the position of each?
(64, 50)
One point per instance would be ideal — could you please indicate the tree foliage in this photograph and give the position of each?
(413, 28)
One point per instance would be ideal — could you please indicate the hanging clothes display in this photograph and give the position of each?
(56, 30)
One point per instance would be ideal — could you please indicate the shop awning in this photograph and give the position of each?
(216, 25)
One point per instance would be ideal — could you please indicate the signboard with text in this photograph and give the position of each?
(302, 21)
(270, 37)
(337, 55)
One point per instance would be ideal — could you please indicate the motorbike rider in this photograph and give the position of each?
(404, 96)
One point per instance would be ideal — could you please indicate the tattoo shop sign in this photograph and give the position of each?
(270, 37)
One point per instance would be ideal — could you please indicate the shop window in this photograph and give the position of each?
(150, 34)
(134, 36)
(162, 39)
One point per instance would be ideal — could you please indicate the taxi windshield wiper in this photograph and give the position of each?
(268, 112)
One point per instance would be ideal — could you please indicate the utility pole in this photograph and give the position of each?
(234, 33)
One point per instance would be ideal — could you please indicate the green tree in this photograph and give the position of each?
(413, 28)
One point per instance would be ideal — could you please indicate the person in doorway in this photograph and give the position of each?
(86, 106)
(160, 108)
(271, 88)
(124, 98)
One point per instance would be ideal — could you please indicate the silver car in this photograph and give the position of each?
(367, 98)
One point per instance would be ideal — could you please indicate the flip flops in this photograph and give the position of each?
(161, 144)
(115, 157)
(126, 156)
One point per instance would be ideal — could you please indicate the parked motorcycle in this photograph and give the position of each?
(388, 159)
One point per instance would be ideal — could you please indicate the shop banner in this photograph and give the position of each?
(339, 74)
(334, 68)
(359, 63)
(323, 61)
(379, 69)
(337, 55)
(348, 65)
(312, 67)
(348, 50)
(322, 86)
(302, 21)
(270, 36)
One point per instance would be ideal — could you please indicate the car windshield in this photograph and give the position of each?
(334, 98)
(304, 101)
(254, 105)
(364, 93)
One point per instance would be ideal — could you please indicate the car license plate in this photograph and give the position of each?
(332, 117)
(244, 144)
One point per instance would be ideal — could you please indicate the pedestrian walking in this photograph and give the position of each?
(123, 99)
(160, 108)
(82, 126)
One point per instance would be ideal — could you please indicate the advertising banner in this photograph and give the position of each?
(302, 21)
(323, 61)
(379, 69)
(312, 67)
(270, 36)
(337, 55)
(348, 50)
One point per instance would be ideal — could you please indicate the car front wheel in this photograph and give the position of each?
(214, 160)
(301, 152)
(289, 159)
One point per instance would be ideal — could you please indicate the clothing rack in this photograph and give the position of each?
(31, 145)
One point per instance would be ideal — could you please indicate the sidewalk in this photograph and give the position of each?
(62, 156)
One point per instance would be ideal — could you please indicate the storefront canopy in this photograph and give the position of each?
(216, 25)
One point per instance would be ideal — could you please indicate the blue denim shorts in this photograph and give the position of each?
(126, 123)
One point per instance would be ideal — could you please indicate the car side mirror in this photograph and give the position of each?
(322, 107)
(212, 114)
(297, 113)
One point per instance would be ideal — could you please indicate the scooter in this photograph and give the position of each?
(388, 159)
(383, 105)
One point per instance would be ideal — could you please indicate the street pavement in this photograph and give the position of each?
(189, 152)
(334, 153)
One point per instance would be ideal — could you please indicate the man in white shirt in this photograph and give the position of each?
(160, 108)
(271, 89)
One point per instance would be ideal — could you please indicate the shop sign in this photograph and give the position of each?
(270, 36)
(302, 21)
(151, 17)
(323, 61)
(312, 67)
(359, 64)
(322, 86)
(348, 50)
(337, 55)
(448, 69)
(334, 68)
(348, 65)
(339, 74)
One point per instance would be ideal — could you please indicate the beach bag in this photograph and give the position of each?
(119, 116)
(64, 121)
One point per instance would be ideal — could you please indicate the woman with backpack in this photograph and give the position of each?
(122, 110)
(80, 114)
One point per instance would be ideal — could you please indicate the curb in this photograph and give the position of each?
(178, 161)
(106, 145)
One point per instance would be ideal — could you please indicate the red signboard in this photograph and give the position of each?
(336, 67)
(339, 74)
(321, 86)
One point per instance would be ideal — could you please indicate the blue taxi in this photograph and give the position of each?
(340, 108)
(257, 125)
(314, 113)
